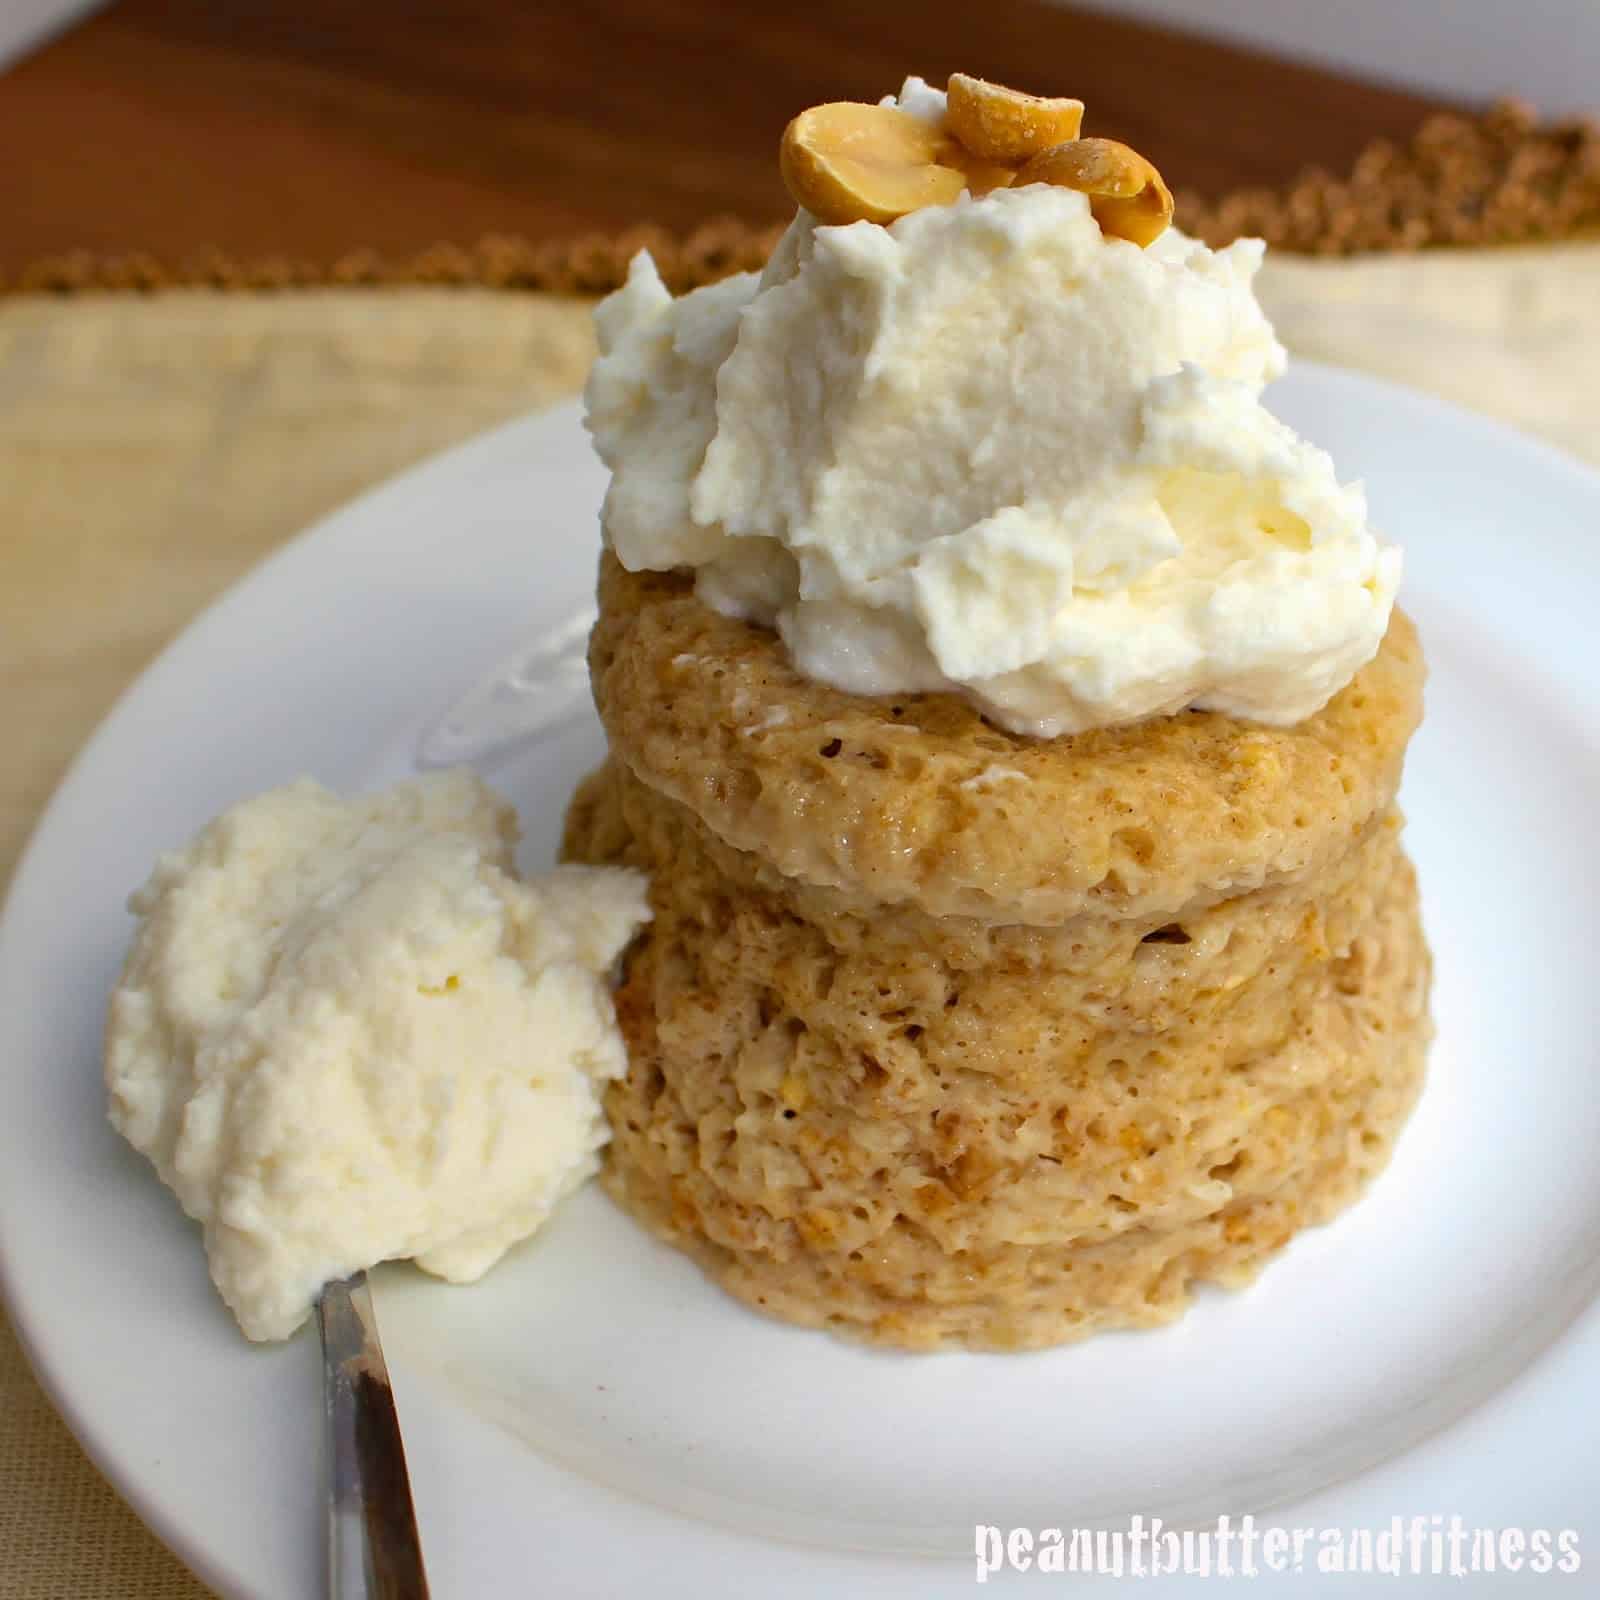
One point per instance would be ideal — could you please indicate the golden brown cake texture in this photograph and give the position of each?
(942, 1034)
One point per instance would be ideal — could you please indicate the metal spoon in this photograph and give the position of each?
(539, 689)
(373, 1549)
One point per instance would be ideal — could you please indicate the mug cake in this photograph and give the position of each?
(1008, 710)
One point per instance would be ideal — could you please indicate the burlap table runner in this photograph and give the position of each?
(152, 449)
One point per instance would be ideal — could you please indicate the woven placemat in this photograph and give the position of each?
(1501, 178)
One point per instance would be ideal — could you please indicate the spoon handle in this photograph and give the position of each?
(373, 1549)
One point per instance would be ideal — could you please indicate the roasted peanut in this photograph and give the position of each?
(846, 162)
(1126, 195)
(1004, 125)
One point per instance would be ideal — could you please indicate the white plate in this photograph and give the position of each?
(595, 1416)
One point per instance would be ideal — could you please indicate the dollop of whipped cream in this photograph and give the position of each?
(985, 449)
(345, 1034)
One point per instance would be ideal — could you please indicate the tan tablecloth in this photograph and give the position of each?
(152, 450)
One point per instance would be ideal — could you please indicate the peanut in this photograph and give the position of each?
(1004, 125)
(846, 162)
(857, 163)
(1126, 195)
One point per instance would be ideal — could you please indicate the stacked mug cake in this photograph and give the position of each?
(1008, 711)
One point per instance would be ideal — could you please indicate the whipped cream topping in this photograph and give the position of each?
(345, 1033)
(985, 449)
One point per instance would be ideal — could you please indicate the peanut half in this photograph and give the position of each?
(1004, 125)
(846, 162)
(1126, 195)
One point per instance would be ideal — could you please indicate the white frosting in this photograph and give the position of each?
(345, 1034)
(986, 449)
